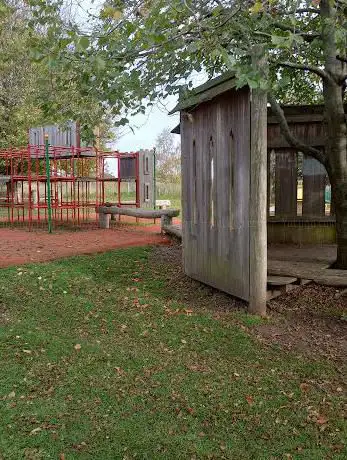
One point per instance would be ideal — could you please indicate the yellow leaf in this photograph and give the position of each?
(117, 14)
(110, 12)
(257, 7)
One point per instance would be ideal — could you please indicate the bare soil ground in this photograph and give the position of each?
(21, 246)
(311, 320)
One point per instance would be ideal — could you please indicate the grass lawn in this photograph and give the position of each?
(102, 359)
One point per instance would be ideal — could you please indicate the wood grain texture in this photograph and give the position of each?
(314, 180)
(286, 183)
(216, 187)
(258, 203)
(137, 212)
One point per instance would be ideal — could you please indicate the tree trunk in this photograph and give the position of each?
(336, 149)
(339, 197)
(336, 127)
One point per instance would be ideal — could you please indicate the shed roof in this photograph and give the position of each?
(207, 91)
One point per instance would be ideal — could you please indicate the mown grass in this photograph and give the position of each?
(100, 359)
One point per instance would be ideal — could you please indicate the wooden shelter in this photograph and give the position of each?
(223, 136)
(299, 194)
(223, 140)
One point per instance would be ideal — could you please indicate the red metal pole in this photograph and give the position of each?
(119, 181)
(137, 179)
(12, 184)
(29, 188)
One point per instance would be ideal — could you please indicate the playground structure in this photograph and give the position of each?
(80, 180)
(231, 143)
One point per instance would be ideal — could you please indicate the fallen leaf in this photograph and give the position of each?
(304, 387)
(183, 341)
(77, 346)
(321, 420)
(35, 431)
(119, 370)
(198, 368)
(11, 395)
(28, 352)
(249, 399)
(62, 456)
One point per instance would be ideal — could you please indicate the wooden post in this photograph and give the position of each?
(104, 220)
(165, 220)
(258, 193)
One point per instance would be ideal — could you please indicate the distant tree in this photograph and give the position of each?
(34, 91)
(17, 74)
(168, 156)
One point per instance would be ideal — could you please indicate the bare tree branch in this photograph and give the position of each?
(287, 28)
(305, 10)
(309, 68)
(289, 136)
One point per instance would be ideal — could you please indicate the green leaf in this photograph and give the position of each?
(122, 122)
(84, 42)
(281, 41)
(100, 63)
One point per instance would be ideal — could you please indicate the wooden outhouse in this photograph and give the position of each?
(223, 137)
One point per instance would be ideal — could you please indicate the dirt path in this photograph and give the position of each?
(21, 247)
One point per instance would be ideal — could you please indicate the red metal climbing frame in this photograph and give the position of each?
(81, 179)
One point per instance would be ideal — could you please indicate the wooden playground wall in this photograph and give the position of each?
(298, 209)
(216, 192)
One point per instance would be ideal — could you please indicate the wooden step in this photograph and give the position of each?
(273, 280)
(278, 285)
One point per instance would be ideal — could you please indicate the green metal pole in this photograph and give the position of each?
(154, 177)
(48, 174)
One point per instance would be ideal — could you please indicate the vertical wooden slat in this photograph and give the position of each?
(187, 192)
(217, 253)
(314, 180)
(286, 184)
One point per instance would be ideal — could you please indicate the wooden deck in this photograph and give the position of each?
(310, 262)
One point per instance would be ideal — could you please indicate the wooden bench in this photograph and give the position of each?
(165, 215)
(162, 204)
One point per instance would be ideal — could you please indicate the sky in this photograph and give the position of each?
(146, 128)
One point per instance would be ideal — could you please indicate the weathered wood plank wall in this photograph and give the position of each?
(314, 182)
(286, 183)
(308, 127)
(216, 187)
